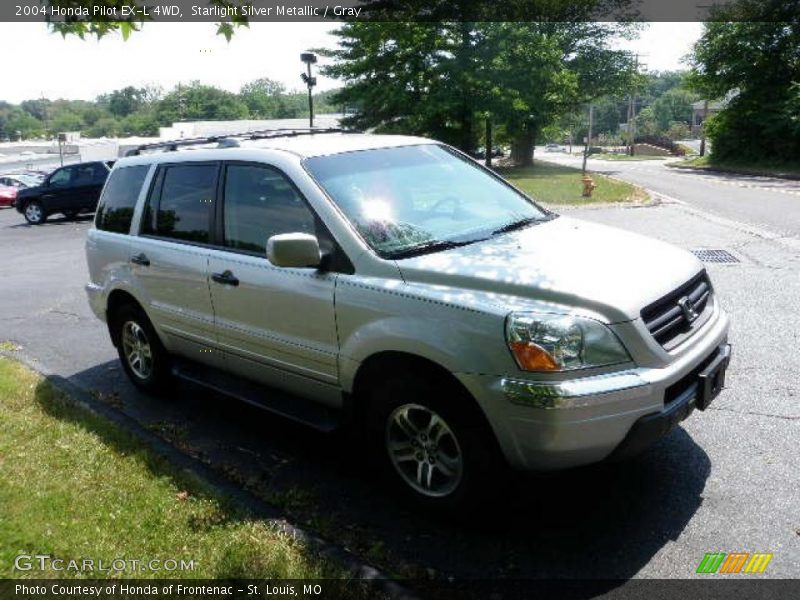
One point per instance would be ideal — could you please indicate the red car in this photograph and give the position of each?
(8, 195)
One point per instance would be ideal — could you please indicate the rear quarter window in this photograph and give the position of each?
(115, 211)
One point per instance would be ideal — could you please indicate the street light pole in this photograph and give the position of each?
(588, 138)
(309, 58)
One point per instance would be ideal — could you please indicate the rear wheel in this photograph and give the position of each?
(432, 440)
(144, 358)
(34, 213)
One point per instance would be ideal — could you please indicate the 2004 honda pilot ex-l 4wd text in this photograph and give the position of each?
(395, 280)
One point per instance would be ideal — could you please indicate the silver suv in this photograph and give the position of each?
(394, 282)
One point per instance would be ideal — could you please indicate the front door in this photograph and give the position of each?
(276, 325)
(56, 195)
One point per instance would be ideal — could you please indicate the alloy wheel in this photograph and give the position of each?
(137, 350)
(424, 450)
(33, 212)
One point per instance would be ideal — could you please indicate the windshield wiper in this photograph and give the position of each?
(514, 225)
(428, 247)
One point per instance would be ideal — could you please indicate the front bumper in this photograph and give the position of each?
(543, 425)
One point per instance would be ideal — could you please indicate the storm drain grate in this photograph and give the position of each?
(715, 256)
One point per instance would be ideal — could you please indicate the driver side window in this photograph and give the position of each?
(261, 202)
(61, 178)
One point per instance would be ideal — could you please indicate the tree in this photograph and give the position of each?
(66, 121)
(443, 79)
(23, 125)
(674, 105)
(105, 127)
(749, 54)
(197, 101)
(265, 98)
(124, 102)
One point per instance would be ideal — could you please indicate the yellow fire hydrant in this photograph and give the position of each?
(588, 186)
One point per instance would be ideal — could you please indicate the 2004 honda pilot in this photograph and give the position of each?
(324, 275)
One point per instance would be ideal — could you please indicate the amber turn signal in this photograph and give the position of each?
(531, 357)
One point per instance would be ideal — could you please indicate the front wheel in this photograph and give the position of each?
(34, 213)
(433, 441)
(144, 359)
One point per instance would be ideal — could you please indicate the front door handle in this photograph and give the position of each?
(141, 259)
(226, 278)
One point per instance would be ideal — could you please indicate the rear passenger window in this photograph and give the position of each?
(261, 202)
(187, 195)
(115, 211)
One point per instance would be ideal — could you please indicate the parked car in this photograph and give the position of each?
(497, 152)
(394, 282)
(70, 190)
(8, 195)
(20, 180)
(552, 148)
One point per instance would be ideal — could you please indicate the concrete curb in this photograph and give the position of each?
(372, 577)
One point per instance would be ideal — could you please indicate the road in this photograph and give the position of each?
(726, 480)
(765, 202)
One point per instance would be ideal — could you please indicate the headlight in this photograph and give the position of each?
(561, 342)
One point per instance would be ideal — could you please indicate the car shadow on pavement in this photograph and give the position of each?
(600, 522)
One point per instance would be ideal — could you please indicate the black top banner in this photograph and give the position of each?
(246, 11)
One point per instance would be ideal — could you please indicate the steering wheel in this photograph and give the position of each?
(440, 205)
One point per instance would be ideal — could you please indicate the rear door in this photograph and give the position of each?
(276, 325)
(87, 184)
(169, 259)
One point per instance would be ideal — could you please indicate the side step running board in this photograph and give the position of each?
(281, 403)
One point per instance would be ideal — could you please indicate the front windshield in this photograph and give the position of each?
(416, 199)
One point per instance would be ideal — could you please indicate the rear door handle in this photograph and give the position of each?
(141, 259)
(226, 278)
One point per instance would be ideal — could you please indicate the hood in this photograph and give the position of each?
(31, 191)
(566, 262)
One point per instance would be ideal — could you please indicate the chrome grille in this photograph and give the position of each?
(673, 318)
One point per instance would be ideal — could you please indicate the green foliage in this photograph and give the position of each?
(197, 101)
(674, 105)
(141, 111)
(754, 62)
(443, 79)
(121, 103)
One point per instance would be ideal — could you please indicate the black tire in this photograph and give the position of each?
(130, 324)
(479, 474)
(34, 212)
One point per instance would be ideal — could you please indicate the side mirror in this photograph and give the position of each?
(294, 250)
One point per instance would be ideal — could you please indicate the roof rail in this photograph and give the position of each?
(230, 141)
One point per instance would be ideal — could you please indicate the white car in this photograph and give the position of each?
(395, 282)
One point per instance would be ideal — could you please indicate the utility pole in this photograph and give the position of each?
(632, 110)
(588, 138)
(703, 129)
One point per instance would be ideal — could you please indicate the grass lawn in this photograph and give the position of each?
(557, 185)
(74, 486)
(770, 169)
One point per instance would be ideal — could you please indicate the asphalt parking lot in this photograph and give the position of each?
(725, 481)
